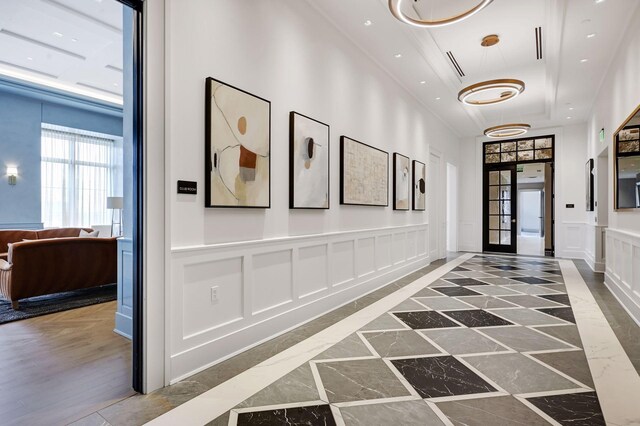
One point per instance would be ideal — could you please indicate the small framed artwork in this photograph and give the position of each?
(419, 186)
(589, 182)
(237, 148)
(308, 163)
(364, 174)
(401, 182)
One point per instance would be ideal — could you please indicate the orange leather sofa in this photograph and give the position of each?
(53, 261)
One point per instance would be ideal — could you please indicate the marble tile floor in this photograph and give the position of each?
(455, 352)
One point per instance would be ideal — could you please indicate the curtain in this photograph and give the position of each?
(79, 170)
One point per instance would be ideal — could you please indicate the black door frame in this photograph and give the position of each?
(485, 186)
(486, 245)
(138, 195)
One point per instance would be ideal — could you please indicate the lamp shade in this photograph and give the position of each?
(12, 171)
(115, 203)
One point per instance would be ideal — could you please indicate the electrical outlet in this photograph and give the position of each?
(214, 295)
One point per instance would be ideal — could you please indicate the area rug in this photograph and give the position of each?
(43, 305)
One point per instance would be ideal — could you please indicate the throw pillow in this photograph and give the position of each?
(85, 234)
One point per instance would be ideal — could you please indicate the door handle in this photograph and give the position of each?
(513, 221)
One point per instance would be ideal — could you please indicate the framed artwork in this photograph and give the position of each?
(401, 182)
(419, 186)
(308, 163)
(588, 174)
(364, 174)
(237, 147)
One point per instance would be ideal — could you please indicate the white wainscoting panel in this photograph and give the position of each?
(466, 237)
(595, 249)
(268, 287)
(124, 309)
(622, 275)
(570, 240)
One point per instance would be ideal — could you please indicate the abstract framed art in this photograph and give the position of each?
(308, 163)
(237, 147)
(419, 186)
(401, 182)
(364, 174)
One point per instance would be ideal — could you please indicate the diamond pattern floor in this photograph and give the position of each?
(491, 342)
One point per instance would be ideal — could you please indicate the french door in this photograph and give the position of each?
(500, 209)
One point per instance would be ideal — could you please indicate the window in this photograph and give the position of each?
(79, 172)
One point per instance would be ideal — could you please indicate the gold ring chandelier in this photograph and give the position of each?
(507, 130)
(396, 9)
(506, 89)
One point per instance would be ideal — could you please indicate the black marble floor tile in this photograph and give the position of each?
(552, 271)
(460, 269)
(477, 318)
(456, 291)
(307, 416)
(578, 409)
(465, 282)
(508, 268)
(560, 298)
(562, 313)
(440, 376)
(533, 280)
(425, 319)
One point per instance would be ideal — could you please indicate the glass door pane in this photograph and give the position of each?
(500, 209)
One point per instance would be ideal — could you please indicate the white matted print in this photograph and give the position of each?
(401, 182)
(238, 144)
(308, 163)
(419, 186)
(364, 174)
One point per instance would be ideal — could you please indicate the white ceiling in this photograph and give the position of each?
(557, 86)
(71, 45)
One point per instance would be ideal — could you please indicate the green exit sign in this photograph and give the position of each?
(602, 135)
(520, 169)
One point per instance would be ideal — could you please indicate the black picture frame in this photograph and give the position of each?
(589, 182)
(416, 184)
(292, 117)
(209, 203)
(342, 172)
(396, 157)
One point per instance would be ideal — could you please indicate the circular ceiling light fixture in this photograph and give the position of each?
(507, 130)
(491, 92)
(395, 6)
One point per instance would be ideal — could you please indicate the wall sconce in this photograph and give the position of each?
(12, 172)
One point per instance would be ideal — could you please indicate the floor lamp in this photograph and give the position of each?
(116, 203)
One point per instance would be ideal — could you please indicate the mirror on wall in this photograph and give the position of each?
(627, 163)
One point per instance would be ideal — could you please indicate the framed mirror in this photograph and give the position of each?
(627, 163)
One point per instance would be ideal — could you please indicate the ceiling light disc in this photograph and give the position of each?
(491, 92)
(395, 6)
(507, 130)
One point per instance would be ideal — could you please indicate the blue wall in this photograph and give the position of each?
(21, 117)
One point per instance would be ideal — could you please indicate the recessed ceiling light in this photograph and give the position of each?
(599, 1)
(592, 35)
(367, 23)
(423, 82)
(437, 99)
(57, 34)
(398, 55)
(115, 84)
(74, 40)
(29, 58)
(571, 109)
(569, 118)
(584, 60)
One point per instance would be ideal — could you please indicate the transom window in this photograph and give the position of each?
(520, 150)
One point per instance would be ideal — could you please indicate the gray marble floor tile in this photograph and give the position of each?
(297, 386)
(487, 302)
(223, 420)
(517, 374)
(426, 292)
(463, 341)
(557, 287)
(524, 316)
(507, 274)
(451, 275)
(528, 301)
(494, 411)
(495, 290)
(475, 274)
(573, 364)
(94, 419)
(405, 413)
(349, 347)
(408, 305)
(442, 303)
(500, 281)
(400, 343)
(533, 289)
(566, 333)
(523, 339)
(359, 380)
(441, 283)
(384, 322)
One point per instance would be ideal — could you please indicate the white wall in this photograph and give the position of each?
(276, 268)
(571, 143)
(618, 96)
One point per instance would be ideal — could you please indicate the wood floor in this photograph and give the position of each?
(58, 368)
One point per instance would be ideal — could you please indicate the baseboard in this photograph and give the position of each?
(243, 340)
(123, 326)
(628, 303)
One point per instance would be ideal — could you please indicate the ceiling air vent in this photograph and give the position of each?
(539, 43)
(455, 64)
